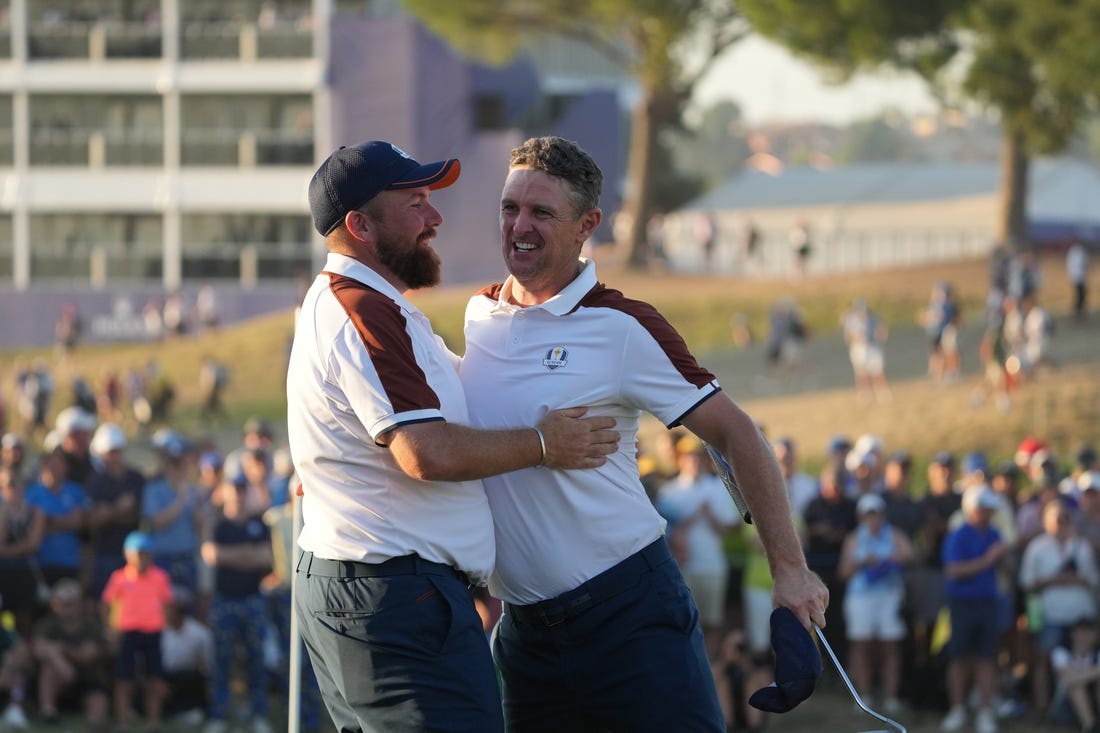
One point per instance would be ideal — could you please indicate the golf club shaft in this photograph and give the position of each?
(725, 473)
(851, 688)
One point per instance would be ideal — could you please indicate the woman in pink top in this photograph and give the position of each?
(134, 601)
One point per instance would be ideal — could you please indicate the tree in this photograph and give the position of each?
(873, 140)
(713, 146)
(1029, 62)
(666, 45)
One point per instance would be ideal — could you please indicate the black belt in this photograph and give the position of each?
(607, 584)
(310, 564)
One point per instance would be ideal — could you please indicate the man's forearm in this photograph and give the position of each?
(453, 452)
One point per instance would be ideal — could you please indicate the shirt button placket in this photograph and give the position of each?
(516, 332)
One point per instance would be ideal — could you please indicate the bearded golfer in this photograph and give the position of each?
(396, 526)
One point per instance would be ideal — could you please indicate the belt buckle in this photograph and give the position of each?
(562, 612)
(552, 617)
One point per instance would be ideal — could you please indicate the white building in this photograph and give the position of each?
(163, 140)
(151, 147)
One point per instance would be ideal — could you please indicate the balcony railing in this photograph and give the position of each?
(100, 263)
(97, 40)
(198, 40)
(95, 148)
(246, 148)
(94, 263)
(245, 41)
(248, 263)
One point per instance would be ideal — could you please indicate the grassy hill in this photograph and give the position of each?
(1064, 406)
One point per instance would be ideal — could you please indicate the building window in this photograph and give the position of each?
(96, 247)
(489, 112)
(257, 246)
(256, 29)
(247, 130)
(96, 130)
(7, 141)
(94, 29)
(7, 250)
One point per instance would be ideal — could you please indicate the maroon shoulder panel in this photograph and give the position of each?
(652, 321)
(382, 327)
(491, 291)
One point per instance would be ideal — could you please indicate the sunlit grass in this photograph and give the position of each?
(1063, 407)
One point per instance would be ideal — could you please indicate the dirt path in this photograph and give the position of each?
(745, 373)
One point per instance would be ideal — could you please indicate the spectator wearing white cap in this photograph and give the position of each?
(1003, 520)
(115, 495)
(871, 564)
(864, 463)
(971, 555)
(864, 474)
(75, 427)
(1060, 568)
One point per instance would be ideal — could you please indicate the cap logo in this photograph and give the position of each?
(555, 358)
(400, 152)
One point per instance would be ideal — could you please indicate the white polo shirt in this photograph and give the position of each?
(587, 346)
(365, 360)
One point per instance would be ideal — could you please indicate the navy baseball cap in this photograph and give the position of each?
(973, 462)
(797, 665)
(352, 176)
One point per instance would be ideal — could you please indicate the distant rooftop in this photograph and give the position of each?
(1062, 188)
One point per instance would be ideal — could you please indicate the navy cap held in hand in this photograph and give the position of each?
(797, 665)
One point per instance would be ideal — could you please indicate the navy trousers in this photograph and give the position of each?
(397, 647)
(623, 652)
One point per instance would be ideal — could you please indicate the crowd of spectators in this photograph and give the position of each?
(76, 511)
(917, 565)
(967, 587)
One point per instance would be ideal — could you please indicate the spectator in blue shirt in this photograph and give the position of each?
(971, 555)
(65, 505)
(171, 514)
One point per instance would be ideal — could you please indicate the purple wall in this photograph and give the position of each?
(596, 123)
(114, 315)
(392, 80)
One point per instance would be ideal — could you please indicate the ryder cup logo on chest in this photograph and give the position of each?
(556, 357)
